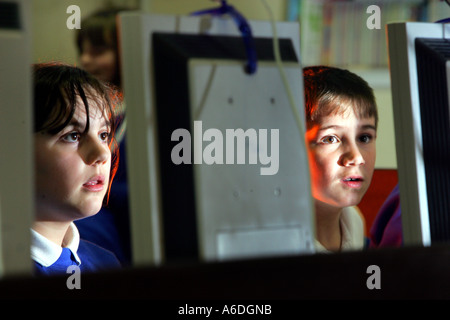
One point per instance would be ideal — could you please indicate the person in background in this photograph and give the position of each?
(97, 44)
(98, 50)
(341, 120)
(386, 230)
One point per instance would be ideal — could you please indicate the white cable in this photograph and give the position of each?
(276, 50)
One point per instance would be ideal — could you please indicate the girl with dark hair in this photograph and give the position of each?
(74, 122)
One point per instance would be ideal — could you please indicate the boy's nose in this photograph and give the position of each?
(352, 157)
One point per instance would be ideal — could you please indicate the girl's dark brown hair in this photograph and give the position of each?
(56, 89)
(330, 90)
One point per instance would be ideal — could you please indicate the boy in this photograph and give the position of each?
(341, 119)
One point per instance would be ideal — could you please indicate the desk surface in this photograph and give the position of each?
(405, 273)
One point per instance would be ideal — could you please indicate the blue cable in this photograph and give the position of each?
(243, 27)
(446, 20)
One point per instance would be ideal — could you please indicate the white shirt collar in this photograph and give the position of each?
(352, 231)
(46, 252)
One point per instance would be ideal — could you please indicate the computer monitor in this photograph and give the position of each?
(16, 152)
(215, 160)
(419, 56)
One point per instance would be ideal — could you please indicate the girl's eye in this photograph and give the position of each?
(330, 140)
(104, 136)
(365, 138)
(72, 137)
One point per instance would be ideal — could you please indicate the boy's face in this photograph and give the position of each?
(342, 158)
(73, 167)
(98, 61)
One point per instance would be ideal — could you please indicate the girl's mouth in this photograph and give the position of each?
(95, 184)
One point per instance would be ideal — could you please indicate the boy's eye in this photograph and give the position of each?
(365, 138)
(99, 50)
(72, 137)
(330, 140)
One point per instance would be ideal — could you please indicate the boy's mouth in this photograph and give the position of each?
(353, 181)
(356, 178)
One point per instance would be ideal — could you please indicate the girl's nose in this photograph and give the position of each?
(97, 152)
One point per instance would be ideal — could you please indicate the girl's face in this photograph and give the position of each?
(101, 62)
(73, 167)
(342, 158)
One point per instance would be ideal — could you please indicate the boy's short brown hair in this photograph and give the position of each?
(330, 90)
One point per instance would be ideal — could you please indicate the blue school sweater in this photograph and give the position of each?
(50, 258)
